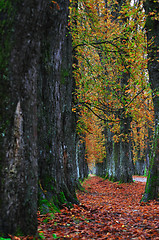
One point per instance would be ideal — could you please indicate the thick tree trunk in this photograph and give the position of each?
(118, 164)
(81, 161)
(125, 165)
(57, 124)
(140, 163)
(99, 169)
(40, 53)
(18, 136)
(152, 185)
(152, 27)
(140, 166)
(118, 155)
(112, 157)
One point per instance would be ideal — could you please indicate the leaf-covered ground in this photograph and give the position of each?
(107, 210)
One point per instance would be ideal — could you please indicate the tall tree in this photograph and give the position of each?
(111, 77)
(57, 123)
(36, 115)
(152, 31)
(20, 48)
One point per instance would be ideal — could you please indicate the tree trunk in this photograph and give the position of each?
(152, 30)
(125, 165)
(109, 152)
(118, 160)
(37, 60)
(112, 157)
(81, 160)
(57, 124)
(99, 167)
(118, 163)
(140, 166)
(140, 163)
(18, 136)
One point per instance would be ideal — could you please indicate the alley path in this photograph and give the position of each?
(139, 178)
(107, 210)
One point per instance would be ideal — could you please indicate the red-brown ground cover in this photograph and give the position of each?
(107, 210)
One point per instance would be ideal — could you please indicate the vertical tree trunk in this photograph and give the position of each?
(81, 159)
(118, 160)
(57, 124)
(40, 53)
(18, 141)
(112, 157)
(68, 117)
(140, 163)
(152, 30)
(109, 151)
(125, 165)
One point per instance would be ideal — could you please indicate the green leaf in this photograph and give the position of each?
(54, 236)
(5, 238)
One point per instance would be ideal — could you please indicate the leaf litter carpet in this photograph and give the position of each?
(107, 210)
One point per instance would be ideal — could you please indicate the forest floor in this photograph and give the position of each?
(107, 210)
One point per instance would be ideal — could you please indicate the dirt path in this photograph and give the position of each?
(107, 211)
(136, 178)
(139, 178)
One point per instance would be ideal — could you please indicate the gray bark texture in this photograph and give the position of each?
(37, 125)
(118, 164)
(140, 163)
(126, 164)
(152, 30)
(18, 129)
(112, 157)
(82, 166)
(56, 121)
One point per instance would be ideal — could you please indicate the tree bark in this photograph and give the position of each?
(57, 123)
(18, 136)
(125, 165)
(112, 157)
(81, 160)
(40, 63)
(152, 31)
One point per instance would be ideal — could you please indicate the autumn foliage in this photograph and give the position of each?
(110, 44)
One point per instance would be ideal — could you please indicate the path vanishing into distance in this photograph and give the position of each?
(107, 210)
(140, 179)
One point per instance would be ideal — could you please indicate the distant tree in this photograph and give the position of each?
(111, 79)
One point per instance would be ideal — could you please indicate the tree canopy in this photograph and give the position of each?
(110, 43)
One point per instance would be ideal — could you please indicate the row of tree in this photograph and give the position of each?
(41, 156)
(117, 93)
